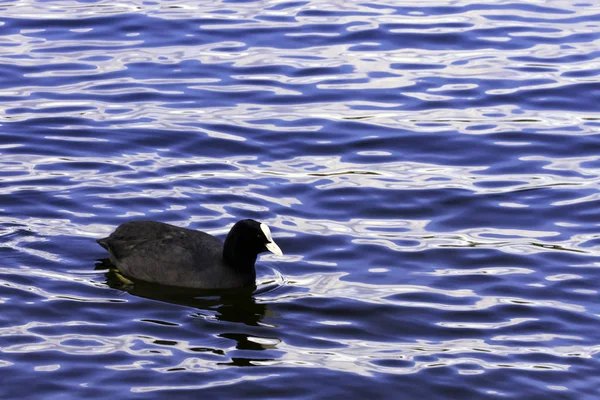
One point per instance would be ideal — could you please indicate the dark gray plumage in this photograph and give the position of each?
(162, 253)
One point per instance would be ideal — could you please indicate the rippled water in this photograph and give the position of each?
(430, 169)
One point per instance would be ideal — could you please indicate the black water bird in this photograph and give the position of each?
(169, 255)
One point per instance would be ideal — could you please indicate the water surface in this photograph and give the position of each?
(430, 169)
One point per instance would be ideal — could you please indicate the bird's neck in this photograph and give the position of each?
(237, 256)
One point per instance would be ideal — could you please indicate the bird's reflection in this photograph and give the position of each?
(232, 305)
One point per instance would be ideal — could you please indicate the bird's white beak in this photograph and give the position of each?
(273, 248)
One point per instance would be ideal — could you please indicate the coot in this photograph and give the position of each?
(162, 253)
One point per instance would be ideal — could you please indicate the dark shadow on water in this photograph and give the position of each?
(232, 305)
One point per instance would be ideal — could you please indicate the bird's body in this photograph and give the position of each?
(170, 255)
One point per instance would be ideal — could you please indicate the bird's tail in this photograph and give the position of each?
(103, 242)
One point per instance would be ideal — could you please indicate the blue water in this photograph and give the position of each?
(431, 171)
